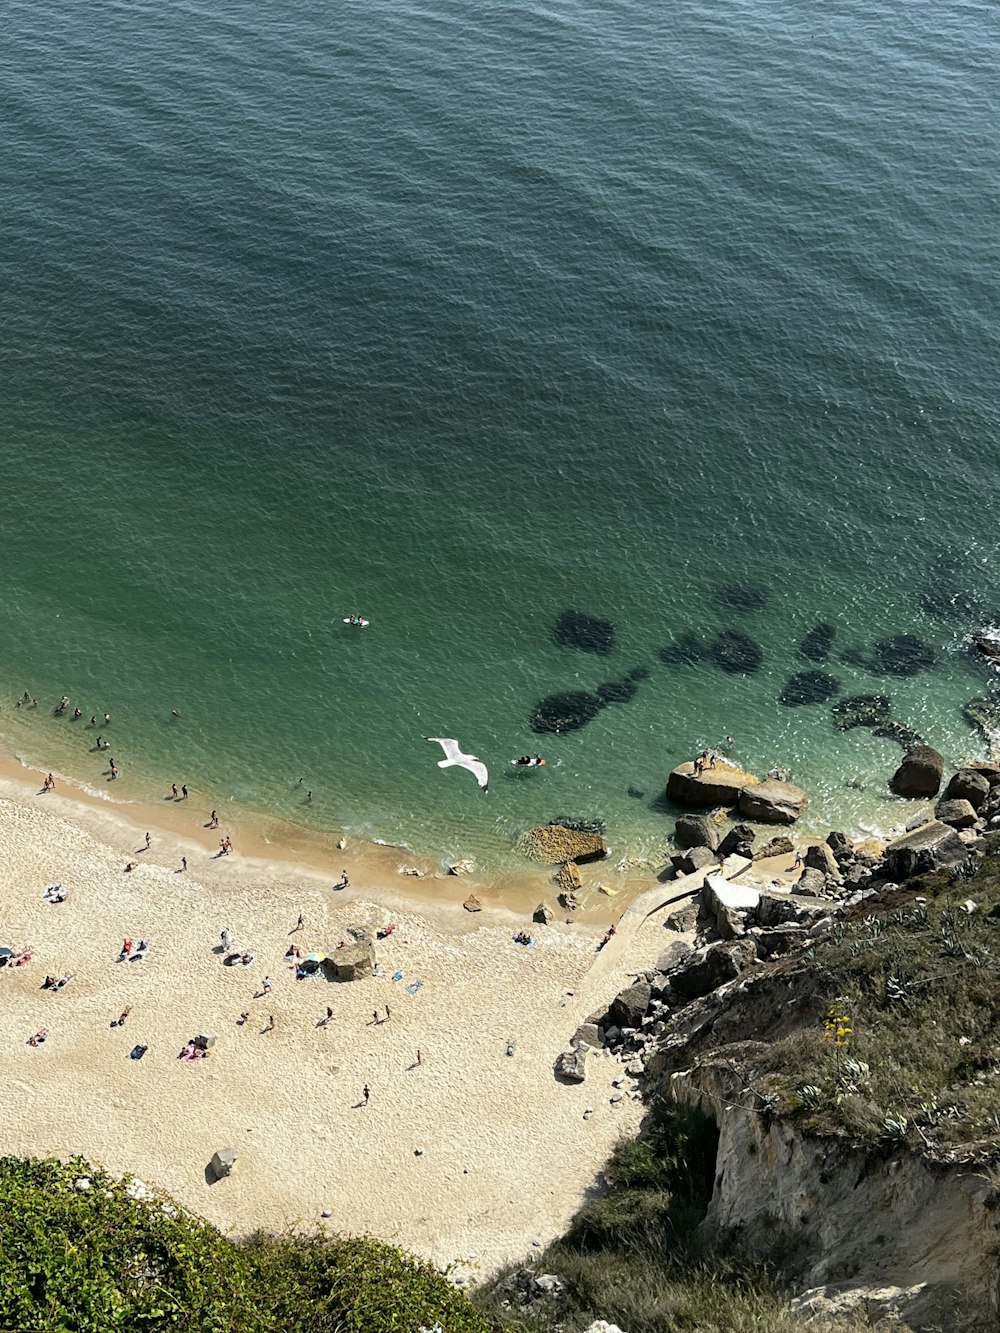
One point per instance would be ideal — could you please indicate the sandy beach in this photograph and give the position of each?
(467, 1157)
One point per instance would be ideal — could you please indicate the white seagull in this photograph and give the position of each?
(453, 755)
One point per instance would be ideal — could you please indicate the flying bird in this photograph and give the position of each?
(454, 756)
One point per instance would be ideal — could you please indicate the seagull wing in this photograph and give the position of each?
(455, 757)
(479, 770)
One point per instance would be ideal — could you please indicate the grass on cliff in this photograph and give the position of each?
(901, 1043)
(97, 1260)
(631, 1255)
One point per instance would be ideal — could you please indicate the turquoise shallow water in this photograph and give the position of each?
(462, 317)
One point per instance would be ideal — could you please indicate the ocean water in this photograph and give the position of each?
(462, 316)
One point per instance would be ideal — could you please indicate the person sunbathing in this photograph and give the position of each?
(63, 981)
(247, 960)
(48, 983)
(39, 1037)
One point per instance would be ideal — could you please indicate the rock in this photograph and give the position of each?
(820, 857)
(616, 1097)
(543, 915)
(742, 597)
(720, 785)
(959, 814)
(696, 831)
(808, 687)
(775, 909)
(673, 956)
(736, 653)
(815, 647)
(577, 825)
(919, 774)
(568, 901)
(575, 629)
(718, 893)
(730, 924)
(810, 883)
(902, 655)
(688, 863)
(353, 962)
(555, 844)
(984, 713)
(783, 938)
(773, 802)
(464, 867)
(968, 785)
(628, 1008)
(882, 1305)
(708, 969)
(327, 1212)
(927, 848)
(986, 768)
(567, 877)
(840, 844)
(683, 651)
(572, 1065)
(602, 1326)
(472, 904)
(638, 673)
(683, 919)
(738, 841)
(567, 711)
(587, 1034)
(550, 1285)
(776, 847)
(617, 691)
(223, 1162)
(905, 737)
(861, 710)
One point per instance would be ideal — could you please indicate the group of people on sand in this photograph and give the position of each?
(134, 954)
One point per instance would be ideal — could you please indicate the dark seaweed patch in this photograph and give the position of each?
(617, 691)
(575, 629)
(638, 673)
(742, 597)
(736, 653)
(900, 733)
(816, 645)
(861, 710)
(903, 655)
(598, 826)
(567, 711)
(683, 651)
(809, 687)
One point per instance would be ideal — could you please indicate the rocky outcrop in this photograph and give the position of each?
(628, 1008)
(820, 857)
(774, 909)
(555, 844)
(919, 774)
(776, 847)
(696, 831)
(928, 847)
(738, 841)
(708, 969)
(772, 802)
(847, 1219)
(572, 1065)
(567, 878)
(697, 858)
(543, 915)
(720, 785)
(353, 962)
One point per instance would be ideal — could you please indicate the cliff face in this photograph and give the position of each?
(887, 1232)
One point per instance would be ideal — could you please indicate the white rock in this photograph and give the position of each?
(81, 1183)
(602, 1326)
(719, 892)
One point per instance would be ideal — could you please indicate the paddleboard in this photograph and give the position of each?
(359, 624)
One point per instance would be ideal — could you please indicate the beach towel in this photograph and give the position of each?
(413, 987)
(138, 1052)
(397, 976)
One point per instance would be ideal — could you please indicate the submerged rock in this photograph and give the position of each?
(599, 826)
(900, 733)
(638, 673)
(984, 713)
(861, 710)
(555, 844)
(946, 595)
(809, 687)
(575, 629)
(815, 647)
(568, 711)
(742, 597)
(736, 653)
(683, 651)
(903, 655)
(617, 691)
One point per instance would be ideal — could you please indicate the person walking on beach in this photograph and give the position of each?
(243, 1018)
(107, 719)
(329, 1013)
(93, 720)
(122, 1016)
(149, 842)
(114, 768)
(420, 1059)
(366, 1092)
(270, 1023)
(184, 863)
(388, 1015)
(223, 849)
(49, 784)
(265, 986)
(184, 793)
(173, 790)
(798, 860)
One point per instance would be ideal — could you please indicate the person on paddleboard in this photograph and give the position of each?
(526, 761)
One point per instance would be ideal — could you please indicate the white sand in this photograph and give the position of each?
(507, 1155)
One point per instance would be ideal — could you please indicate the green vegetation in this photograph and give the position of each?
(631, 1255)
(96, 1260)
(912, 987)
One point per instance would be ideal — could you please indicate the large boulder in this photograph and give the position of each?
(353, 962)
(697, 858)
(682, 919)
(222, 1163)
(779, 846)
(555, 844)
(708, 969)
(820, 857)
(775, 909)
(628, 1008)
(718, 893)
(673, 955)
(928, 847)
(543, 915)
(959, 814)
(696, 831)
(772, 802)
(720, 785)
(572, 1065)
(919, 774)
(968, 785)
(567, 877)
(810, 883)
(737, 841)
